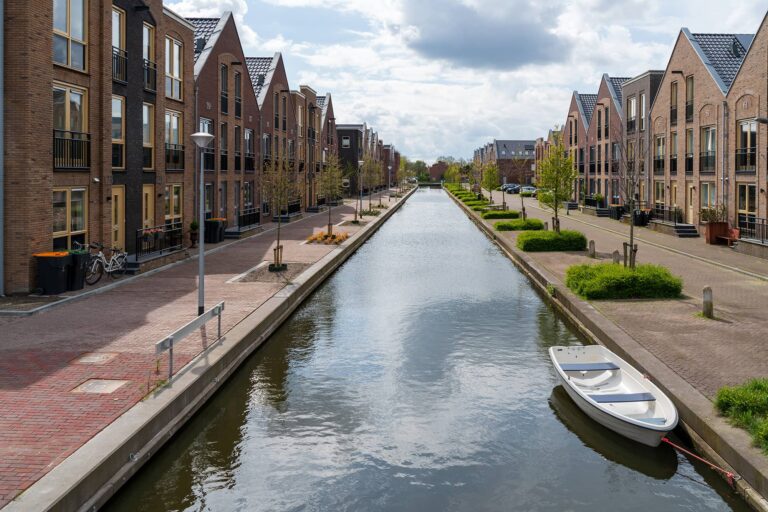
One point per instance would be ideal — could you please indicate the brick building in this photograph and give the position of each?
(437, 170)
(328, 138)
(515, 160)
(575, 138)
(309, 143)
(543, 147)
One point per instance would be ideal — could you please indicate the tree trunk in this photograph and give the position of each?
(330, 226)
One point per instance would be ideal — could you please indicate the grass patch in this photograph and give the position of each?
(502, 214)
(520, 225)
(476, 203)
(371, 212)
(526, 194)
(479, 208)
(611, 281)
(540, 241)
(746, 407)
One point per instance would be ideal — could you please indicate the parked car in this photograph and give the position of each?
(530, 189)
(512, 188)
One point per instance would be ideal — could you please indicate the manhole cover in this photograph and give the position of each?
(100, 386)
(96, 357)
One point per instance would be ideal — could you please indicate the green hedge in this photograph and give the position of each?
(540, 241)
(476, 203)
(611, 281)
(526, 194)
(747, 407)
(479, 207)
(502, 214)
(520, 225)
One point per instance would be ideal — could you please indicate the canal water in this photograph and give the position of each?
(415, 379)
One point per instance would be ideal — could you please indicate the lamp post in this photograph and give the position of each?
(360, 164)
(202, 140)
(389, 183)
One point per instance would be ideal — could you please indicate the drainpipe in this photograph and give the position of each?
(724, 157)
(2, 148)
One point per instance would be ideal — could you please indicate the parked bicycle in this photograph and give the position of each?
(98, 264)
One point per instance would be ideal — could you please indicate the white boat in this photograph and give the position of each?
(613, 393)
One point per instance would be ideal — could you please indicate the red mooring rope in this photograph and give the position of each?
(731, 477)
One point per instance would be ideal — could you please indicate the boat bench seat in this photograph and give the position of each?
(623, 397)
(653, 421)
(588, 367)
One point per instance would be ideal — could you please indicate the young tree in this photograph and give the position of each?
(279, 185)
(453, 173)
(556, 177)
(330, 184)
(491, 179)
(370, 173)
(629, 161)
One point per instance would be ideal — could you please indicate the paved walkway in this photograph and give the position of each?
(707, 353)
(44, 358)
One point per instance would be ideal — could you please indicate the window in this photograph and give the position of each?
(632, 108)
(300, 120)
(118, 28)
(708, 195)
(249, 142)
(673, 104)
(118, 132)
(173, 68)
(708, 149)
(238, 95)
(148, 42)
(599, 124)
(208, 200)
(238, 148)
(224, 147)
(346, 142)
(174, 204)
(607, 116)
(642, 112)
(224, 89)
(275, 109)
(173, 127)
(673, 153)
(71, 143)
(746, 150)
(70, 219)
(148, 135)
(688, 99)
(284, 112)
(747, 205)
(658, 192)
(69, 33)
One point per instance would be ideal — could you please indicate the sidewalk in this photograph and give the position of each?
(45, 358)
(670, 329)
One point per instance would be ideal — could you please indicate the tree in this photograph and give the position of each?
(330, 184)
(370, 172)
(279, 186)
(556, 177)
(491, 179)
(453, 173)
(625, 156)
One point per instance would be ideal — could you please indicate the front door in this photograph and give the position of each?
(223, 200)
(148, 206)
(118, 216)
(690, 201)
(236, 220)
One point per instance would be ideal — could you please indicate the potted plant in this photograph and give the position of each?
(194, 233)
(715, 220)
(598, 200)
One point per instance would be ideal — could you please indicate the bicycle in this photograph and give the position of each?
(97, 264)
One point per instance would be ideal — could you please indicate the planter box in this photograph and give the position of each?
(713, 230)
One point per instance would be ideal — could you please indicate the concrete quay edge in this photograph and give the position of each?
(89, 477)
(725, 445)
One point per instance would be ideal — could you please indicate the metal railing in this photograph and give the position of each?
(238, 161)
(166, 344)
(673, 115)
(119, 65)
(238, 107)
(581, 167)
(150, 75)
(174, 157)
(707, 162)
(223, 160)
(209, 159)
(293, 207)
(745, 160)
(224, 102)
(673, 165)
(592, 168)
(71, 150)
(158, 240)
(753, 228)
(118, 155)
(250, 162)
(664, 213)
(249, 217)
(615, 166)
(321, 201)
(689, 111)
(631, 123)
(658, 166)
(689, 164)
(148, 157)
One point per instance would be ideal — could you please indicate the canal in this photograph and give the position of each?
(415, 379)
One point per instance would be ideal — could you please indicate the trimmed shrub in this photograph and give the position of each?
(479, 208)
(502, 214)
(526, 194)
(746, 406)
(476, 203)
(611, 281)
(520, 225)
(540, 241)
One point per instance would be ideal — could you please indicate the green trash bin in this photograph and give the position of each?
(53, 271)
(76, 277)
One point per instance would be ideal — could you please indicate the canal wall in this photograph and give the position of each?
(91, 475)
(711, 434)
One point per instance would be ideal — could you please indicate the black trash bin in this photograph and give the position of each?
(52, 271)
(76, 277)
(214, 230)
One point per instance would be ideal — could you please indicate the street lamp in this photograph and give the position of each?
(202, 140)
(360, 164)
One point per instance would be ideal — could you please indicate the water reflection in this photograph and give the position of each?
(416, 378)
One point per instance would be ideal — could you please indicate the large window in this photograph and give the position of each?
(208, 200)
(746, 152)
(70, 33)
(224, 89)
(174, 204)
(224, 151)
(673, 104)
(346, 142)
(118, 28)
(708, 149)
(70, 217)
(71, 143)
(174, 136)
(173, 127)
(173, 68)
(747, 194)
(148, 135)
(238, 148)
(118, 132)
(689, 99)
(148, 42)
(708, 195)
(642, 112)
(238, 95)
(658, 193)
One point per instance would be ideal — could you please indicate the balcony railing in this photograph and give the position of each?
(689, 111)
(689, 164)
(238, 161)
(150, 75)
(600, 166)
(250, 162)
(707, 162)
(592, 169)
(248, 218)
(71, 150)
(581, 167)
(174, 157)
(159, 240)
(119, 65)
(223, 160)
(673, 165)
(293, 207)
(745, 160)
(615, 166)
(209, 159)
(658, 166)
(673, 115)
(238, 107)
(631, 125)
(285, 123)
(224, 102)
(118, 155)
(753, 228)
(599, 132)
(664, 213)
(148, 158)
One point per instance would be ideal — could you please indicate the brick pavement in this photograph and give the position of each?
(707, 353)
(42, 421)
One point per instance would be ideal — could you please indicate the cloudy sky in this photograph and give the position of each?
(442, 77)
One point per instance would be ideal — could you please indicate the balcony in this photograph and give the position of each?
(224, 102)
(707, 162)
(118, 155)
(250, 162)
(689, 164)
(581, 167)
(673, 165)
(148, 158)
(150, 76)
(119, 65)
(658, 166)
(209, 159)
(238, 107)
(753, 228)
(673, 116)
(631, 125)
(592, 169)
(668, 214)
(224, 160)
(238, 161)
(174, 157)
(71, 150)
(689, 111)
(745, 160)
(158, 240)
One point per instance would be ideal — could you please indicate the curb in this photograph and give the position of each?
(711, 434)
(94, 472)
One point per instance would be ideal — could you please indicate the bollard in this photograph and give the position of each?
(546, 226)
(616, 257)
(709, 305)
(591, 248)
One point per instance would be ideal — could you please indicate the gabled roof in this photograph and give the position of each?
(615, 84)
(721, 54)
(207, 32)
(514, 149)
(261, 70)
(586, 103)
